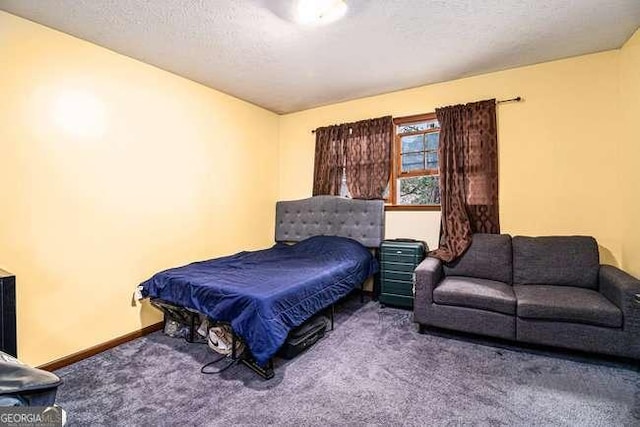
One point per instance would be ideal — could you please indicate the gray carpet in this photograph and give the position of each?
(374, 368)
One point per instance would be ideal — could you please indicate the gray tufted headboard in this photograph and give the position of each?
(360, 220)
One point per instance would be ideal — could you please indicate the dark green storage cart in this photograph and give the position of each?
(398, 260)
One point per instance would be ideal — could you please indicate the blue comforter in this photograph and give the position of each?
(264, 294)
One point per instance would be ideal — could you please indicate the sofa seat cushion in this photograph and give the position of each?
(566, 304)
(476, 293)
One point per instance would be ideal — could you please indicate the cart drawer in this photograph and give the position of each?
(398, 300)
(406, 276)
(397, 250)
(403, 258)
(398, 266)
(397, 288)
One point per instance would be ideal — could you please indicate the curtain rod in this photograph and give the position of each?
(516, 99)
(502, 101)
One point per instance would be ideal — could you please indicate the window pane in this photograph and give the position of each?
(412, 162)
(419, 190)
(412, 127)
(432, 124)
(412, 143)
(432, 160)
(418, 126)
(344, 190)
(432, 140)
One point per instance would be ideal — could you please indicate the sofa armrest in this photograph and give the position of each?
(623, 290)
(427, 276)
(619, 287)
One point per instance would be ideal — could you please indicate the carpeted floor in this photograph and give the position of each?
(374, 368)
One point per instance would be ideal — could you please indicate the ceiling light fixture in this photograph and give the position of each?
(315, 12)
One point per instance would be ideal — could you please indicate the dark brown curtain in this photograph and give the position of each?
(363, 149)
(368, 157)
(329, 159)
(468, 155)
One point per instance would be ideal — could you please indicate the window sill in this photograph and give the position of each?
(433, 208)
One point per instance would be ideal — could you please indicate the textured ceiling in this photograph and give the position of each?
(251, 49)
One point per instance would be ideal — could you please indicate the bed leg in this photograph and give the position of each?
(233, 345)
(192, 328)
(265, 372)
(333, 310)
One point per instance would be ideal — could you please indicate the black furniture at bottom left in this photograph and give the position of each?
(8, 341)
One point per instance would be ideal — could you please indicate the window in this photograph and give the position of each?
(344, 190)
(415, 168)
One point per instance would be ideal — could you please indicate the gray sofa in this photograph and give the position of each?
(541, 290)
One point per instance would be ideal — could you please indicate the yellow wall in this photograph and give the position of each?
(111, 170)
(558, 149)
(630, 166)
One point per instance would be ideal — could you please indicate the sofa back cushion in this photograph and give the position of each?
(556, 260)
(488, 257)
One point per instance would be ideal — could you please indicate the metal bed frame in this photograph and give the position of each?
(265, 372)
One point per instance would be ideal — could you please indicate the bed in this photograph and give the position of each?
(322, 253)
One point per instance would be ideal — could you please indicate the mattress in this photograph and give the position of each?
(264, 294)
